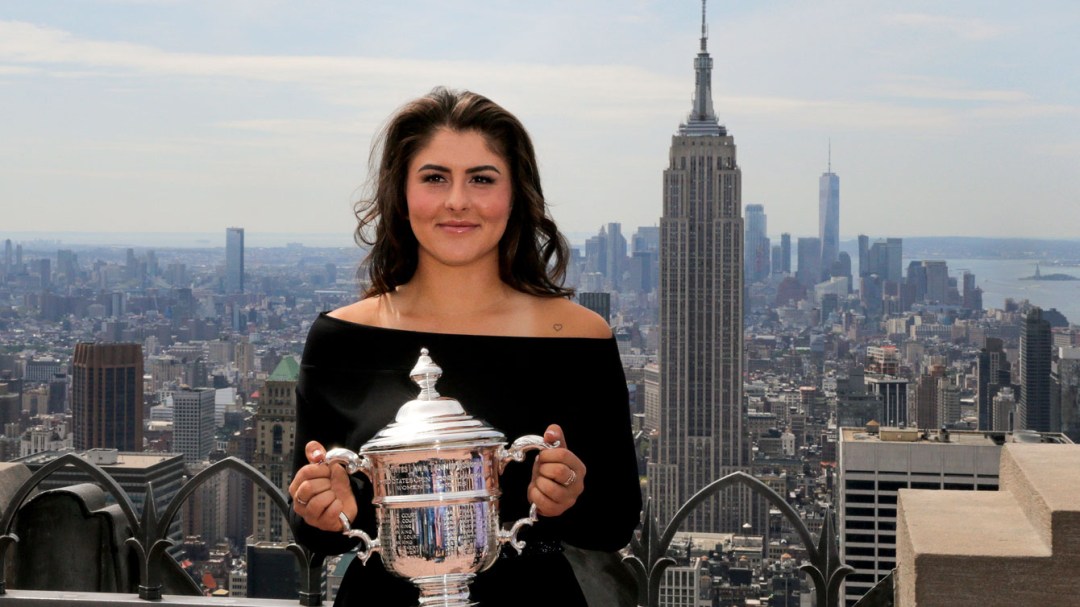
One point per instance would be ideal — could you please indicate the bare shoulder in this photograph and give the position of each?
(560, 317)
(363, 312)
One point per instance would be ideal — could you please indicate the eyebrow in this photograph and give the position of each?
(479, 169)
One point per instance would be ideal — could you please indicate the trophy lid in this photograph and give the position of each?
(431, 420)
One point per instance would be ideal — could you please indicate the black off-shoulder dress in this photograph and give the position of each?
(354, 377)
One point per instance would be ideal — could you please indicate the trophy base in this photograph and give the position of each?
(451, 590)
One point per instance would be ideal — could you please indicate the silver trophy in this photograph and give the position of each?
(435, 475)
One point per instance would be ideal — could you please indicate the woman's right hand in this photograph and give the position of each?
(320, 493)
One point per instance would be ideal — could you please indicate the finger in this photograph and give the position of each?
(561, 473)
(306, 473)
(315, 452)
(554, 433)
(307, 492)
(322, 511)
(551, 498)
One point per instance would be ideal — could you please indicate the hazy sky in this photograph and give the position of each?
(946, 118)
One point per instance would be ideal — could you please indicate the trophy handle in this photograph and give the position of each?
(510, 536)
(521, 446)
(352, 462)
(371, 546)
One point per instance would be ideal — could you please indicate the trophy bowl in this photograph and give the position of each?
(434, 473)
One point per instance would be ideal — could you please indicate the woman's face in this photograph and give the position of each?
(458, 195)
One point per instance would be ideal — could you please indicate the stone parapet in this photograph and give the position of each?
(1016, 546)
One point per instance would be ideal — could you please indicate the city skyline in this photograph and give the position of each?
(208, 115)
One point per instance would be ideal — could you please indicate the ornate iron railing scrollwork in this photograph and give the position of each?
(149, 532)
(647, 562)
(648, 559)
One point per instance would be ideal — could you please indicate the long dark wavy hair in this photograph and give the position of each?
(533, 254)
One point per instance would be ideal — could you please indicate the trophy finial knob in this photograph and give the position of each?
(425, 373)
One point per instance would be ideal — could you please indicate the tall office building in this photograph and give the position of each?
(701, 285)
(1065, 386)
(107, 396)
(757, 244)
(884, 258)
(937, 281)
(785, 253)
(597, 302)
(596, 253)
(808, 272)
(1035, 353)
(829, 218)
(864, 255)
(193, 424)
(645, 259)
(275, 428)
(892, 393)
(234, 260)
(992, 374)
(615, 259)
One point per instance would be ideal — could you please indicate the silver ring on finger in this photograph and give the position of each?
(570, 481)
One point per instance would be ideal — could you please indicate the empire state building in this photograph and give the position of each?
(700, 423)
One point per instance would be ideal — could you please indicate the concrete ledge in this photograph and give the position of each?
(1045, 481)
(1016, 546)
(968, 523)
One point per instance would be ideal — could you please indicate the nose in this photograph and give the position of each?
(457, 198)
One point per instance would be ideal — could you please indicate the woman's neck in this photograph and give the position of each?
(451, 299)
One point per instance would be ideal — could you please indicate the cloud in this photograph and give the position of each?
(343, 79)
(15, 70)
(947, 90)
(968, 29)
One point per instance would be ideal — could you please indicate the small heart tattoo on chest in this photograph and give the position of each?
(557, 326)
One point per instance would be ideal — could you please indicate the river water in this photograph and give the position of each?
(1002, 278)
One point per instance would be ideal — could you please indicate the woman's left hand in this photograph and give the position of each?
(558, 476)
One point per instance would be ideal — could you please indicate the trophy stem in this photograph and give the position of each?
(451, 590)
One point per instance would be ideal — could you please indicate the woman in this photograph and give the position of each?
(465, 261)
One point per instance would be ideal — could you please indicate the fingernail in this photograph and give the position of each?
(316, 455)
(549, 435)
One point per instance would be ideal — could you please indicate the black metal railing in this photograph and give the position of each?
(647, 556)
(649, 551)
(149, 536)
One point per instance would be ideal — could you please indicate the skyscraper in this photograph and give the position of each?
(615, 259)
(937, 280)
(193, 423)
(828, 218)
(275, 425)
(785, 253)
(1065, 385)
(884, 258)
(107, 396)
(864, 255)
(808, 272)
(757, 243)
(8, 256)
(234, 260)
(1035, 354)
(992, 374)
(701, 285)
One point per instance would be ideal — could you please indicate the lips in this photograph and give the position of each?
(457, 227)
